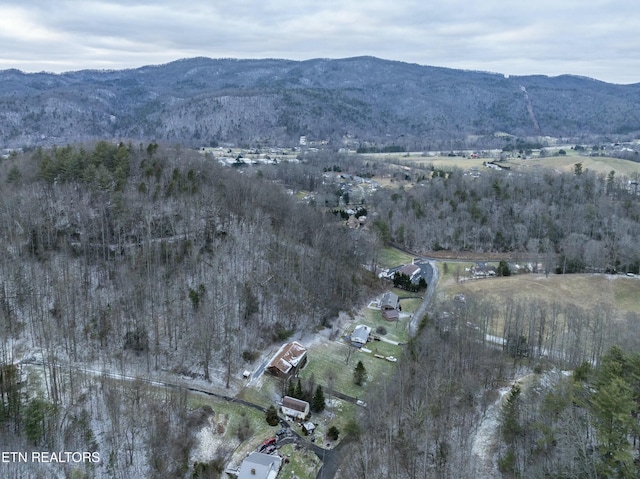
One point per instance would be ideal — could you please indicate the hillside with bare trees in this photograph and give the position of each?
(145, 260)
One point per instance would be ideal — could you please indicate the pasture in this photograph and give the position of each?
(565, 163)
(574, 318)
(588, 291)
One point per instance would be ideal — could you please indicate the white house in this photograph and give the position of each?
(293, 407)
(360, 335)
(260, 466)
(389, 300)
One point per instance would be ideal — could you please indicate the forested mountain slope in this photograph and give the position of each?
(235, 262)
(202, 101)
(146, 261)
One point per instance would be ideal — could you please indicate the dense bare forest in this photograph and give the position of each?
(589, 222)
(572, 223)
(140, 259)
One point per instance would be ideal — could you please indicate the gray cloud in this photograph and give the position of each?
(594, 39)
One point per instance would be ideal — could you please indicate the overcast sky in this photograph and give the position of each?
(594, 38)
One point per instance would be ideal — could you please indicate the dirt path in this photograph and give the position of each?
(485, 442)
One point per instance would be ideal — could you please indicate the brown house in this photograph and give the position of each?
(289, 359)
(410, 270)
(391, 314)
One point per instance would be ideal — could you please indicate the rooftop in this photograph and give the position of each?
(295, 404)
(260, 466)
(288, 356)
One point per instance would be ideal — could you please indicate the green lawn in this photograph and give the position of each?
(384, 349)
(583, 290)
(626, 293)
(395, 331)
(448, 270)
(330, 361)
(234, 413)
(390, 257)
(302, 463)
(344, 412)
(264, 394)
(409, 305)
(598, 164)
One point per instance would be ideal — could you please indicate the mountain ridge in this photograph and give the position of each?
(204, 101)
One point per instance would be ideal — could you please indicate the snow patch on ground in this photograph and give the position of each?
(485, 442)
(487, 437)
(211, 439)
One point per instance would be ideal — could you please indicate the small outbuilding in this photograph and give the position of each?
(391, 314)
(308, 428)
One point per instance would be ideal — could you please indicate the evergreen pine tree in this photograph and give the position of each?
(318, 403)
(359, 374)
(298, 393)
(291, 389)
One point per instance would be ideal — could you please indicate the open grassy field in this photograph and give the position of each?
(338, 359)
(231, 414)
(262, 393)
(422, 159)
(395, 331)
(302, 463)
(564, 163)
(619, 293)
(627, 294)
(586, 291)
(599, 164)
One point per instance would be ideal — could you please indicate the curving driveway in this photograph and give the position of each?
(429, 271)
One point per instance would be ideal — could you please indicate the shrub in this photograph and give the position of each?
(136, 340)
(271, 416)
(244, 430)
(333, 433)
(250, 356)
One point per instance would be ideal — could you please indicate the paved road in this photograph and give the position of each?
(330, 460)
(427, 270)
(258, 372)
(430, 270)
